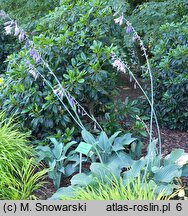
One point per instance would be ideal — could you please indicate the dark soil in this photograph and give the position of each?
(171, 139)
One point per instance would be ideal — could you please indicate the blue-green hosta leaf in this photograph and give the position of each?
(117, 146)
(63, 192)
(68, 146)
(122, 159)
(62, 170)
(43, 153)
(167, 173)
(70, 169)
(88, 137)
(185, 170)
(152, 149)
(154, 169)
(135, 170)
(101, 171)
(76, 158)
(52, 164)
(166, 189)
(62, 158)
(57, 151)
(54, 141)
(81, 179)
(125, 140)
(56, 176)
(136, 149)
(113, 137)
(104, 143)
(173, 156)
(119, 161)
(43, 148)
(137, 166)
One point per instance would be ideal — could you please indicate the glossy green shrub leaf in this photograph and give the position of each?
(170, 74)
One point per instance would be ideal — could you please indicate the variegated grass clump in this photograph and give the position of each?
(18, 176)
(116, 190)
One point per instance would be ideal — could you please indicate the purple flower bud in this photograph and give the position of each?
(36, 57)
(71, 100)
(21, 35)
(16, 31)
(129, 29)
(8, 29)
(33, 53)
(27, 43)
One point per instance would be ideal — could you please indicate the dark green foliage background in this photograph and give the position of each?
(75, 39)
(171, 75)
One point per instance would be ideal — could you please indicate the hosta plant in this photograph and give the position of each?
(60, 158)
(106, 149)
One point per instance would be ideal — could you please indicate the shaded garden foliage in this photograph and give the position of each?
(171, 75)
(75, 40)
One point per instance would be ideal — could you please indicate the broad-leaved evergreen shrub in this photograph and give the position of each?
(170, 74)
(148, 17)
(75, 40)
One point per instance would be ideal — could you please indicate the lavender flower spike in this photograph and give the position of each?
(36, 57)
(119, 65)
(31, 52)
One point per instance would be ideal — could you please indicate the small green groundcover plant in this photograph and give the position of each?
(19, 177)
(116, 190)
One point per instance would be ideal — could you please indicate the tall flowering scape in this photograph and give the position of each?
(120, 66)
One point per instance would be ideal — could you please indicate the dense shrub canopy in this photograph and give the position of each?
(148, 17)
(171, 74)
(76, 41)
